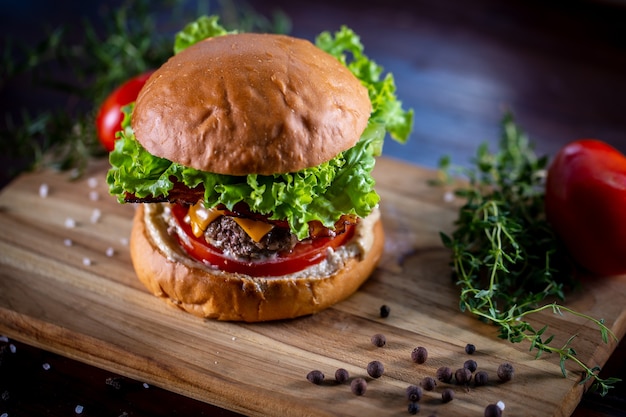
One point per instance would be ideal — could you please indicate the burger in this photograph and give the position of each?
(249, 158)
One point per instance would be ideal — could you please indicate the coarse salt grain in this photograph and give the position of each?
(95, 215)
(79, 409)
(145, 385)
(86, 261)
(500, 405)
(46, 366)
(94, 195)
(4, 415)
(68, 242)
(124, 241)
(44, 189)
(92, 182)
(448, 197)
(4, 339)
(70, 223)
(110, 252)
(234, 338)
(12, 348)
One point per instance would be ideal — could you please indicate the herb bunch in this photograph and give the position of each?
(80, 70)
(506, 259)
(79, 74)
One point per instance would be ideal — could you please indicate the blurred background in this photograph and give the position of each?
(558, 66)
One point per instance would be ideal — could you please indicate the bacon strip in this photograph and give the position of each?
(179, 194)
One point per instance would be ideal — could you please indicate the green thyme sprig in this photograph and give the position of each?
(517, 330)
(506, 259)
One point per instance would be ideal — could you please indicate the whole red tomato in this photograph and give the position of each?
(585, 203)
(110, 116)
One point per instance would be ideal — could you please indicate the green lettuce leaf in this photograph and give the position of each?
(387, 110)
(343, 185)
(202, 28)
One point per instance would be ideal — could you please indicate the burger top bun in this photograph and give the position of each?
(251, 104)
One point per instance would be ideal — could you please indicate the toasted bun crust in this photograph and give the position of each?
(235, 297)
(251, 104)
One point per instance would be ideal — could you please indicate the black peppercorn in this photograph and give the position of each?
(492, 410)
(358, 386)
(444, 374)
(471, 365)
(462, 376)
(470, 349)
(419, 354)
(341, 375)
(413, 393)
(384, 311)
(316, 377)
(375, 369)
(413, 408)
(379, 340)
(481, 378)
(447, 395)
(429, 383)
(505, 372)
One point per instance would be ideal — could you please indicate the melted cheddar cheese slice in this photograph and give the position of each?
(200, 218)
(254, 228)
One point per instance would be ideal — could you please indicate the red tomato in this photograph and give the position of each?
(304, 254)
(110, 116)
(585, 203)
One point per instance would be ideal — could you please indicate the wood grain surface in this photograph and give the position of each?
(86, 304)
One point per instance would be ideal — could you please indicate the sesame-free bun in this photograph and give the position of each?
(167, 272)
(251, 104)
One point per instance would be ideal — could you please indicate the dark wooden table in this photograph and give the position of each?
(559, 67)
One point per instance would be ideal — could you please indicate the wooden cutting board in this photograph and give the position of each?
(84, 303)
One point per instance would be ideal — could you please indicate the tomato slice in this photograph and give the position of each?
(304, 254)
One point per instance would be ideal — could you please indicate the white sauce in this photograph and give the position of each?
(158, 221)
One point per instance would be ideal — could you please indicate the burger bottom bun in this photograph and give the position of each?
(237, 297)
